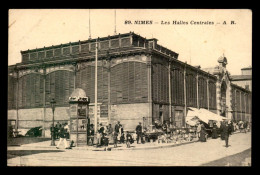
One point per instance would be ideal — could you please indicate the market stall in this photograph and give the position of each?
(152, 133)
(194, 115)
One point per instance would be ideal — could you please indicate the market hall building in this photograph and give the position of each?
(138, 81)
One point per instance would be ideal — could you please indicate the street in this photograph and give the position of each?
(210, 153)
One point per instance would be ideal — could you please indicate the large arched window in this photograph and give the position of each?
(129, 82)
(59, 85)
(202, 93)
(212, 95)
(85, 79)
(191, 90)
(11, 92)
(30, 91)
(160, 83)
(177, 87)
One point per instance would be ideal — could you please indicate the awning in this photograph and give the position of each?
(204, 115)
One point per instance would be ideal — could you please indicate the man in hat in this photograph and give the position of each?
(225, 132)
(63, 137)
(139, 132)
(57, 129)
(100, 134)
(117, 126)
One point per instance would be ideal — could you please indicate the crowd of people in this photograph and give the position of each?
(116, 135)
(225, 129)
(108, 135)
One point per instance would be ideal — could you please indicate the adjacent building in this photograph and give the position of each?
(138, 81)
(245, 79)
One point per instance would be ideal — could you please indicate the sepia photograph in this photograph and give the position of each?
(129, 88)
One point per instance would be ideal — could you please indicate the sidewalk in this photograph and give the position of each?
(134, 146)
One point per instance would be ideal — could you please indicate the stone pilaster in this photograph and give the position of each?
(170, 95)
(149, 86)
(44, 101)
(218, 96)
(197, 84)
(208, 92)
(228, 100)
(109, 87)
(74, 74)
(17, 100)
(185, 99)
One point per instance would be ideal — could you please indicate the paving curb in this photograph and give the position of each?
(112, 149)
(156, 147)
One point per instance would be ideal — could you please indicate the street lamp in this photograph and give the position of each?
(52, 130)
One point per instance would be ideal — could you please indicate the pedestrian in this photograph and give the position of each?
(245, 126)
(129, 139)
(232, 128)
(110, 133)
(198, 129)
(115, 135)
(238, 125)
(241, 126)
(226, 132)
(91, 133)
(10, 131)
(221, 129)
(156, 124)
(214, 131)
(62, 138)
(139, 132)
(100, 135)
(203, 133)
(122, 135)
(117, 126)
(57, 130)
(164, 127)
(67, 130)
(105, 140)
(53, 132)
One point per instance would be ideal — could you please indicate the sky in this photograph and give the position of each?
(196, 44)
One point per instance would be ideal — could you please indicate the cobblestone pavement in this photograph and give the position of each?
(194, 154)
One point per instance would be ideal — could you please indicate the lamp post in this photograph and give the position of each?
(52, 129)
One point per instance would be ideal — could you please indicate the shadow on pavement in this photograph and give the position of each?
(25, 140)
(18, 153)
(238, 159)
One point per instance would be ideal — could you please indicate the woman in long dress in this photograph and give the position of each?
(222, 136)
(214, 131)
(203, 133)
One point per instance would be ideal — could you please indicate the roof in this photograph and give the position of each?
(202, 114)
(78, 93)
(241, 88)
(84, 41)
(247, 68)
(211, 70)
(240, 77)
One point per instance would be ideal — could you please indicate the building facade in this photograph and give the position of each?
(245, 79)
(138, 81)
